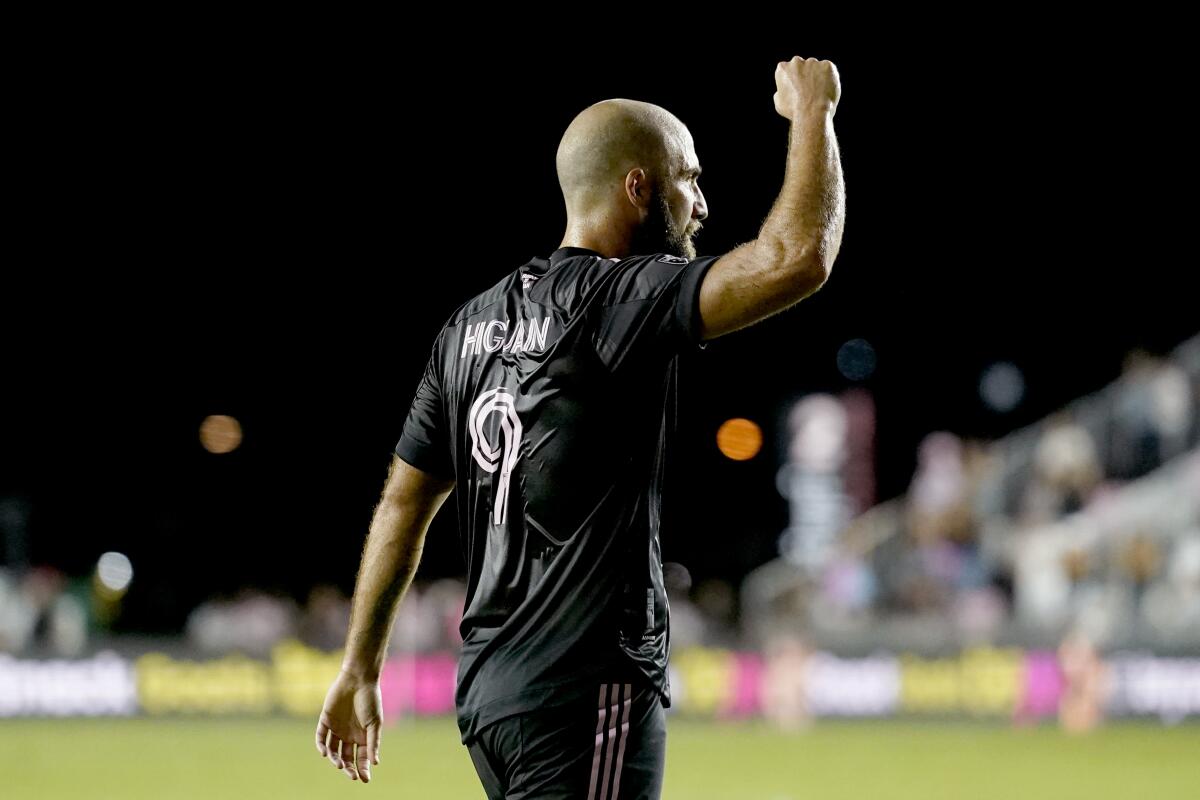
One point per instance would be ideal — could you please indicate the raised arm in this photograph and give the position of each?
(800, 238)
(353, 711)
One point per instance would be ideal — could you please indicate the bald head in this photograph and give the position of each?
(607, 140)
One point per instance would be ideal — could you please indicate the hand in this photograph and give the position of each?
(803, 84)
(353, 715)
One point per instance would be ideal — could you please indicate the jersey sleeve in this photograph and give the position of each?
(425, 441)
(651, 307)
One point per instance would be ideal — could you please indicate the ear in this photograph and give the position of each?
(637, 187)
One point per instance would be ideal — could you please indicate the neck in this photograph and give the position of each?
(610, 240)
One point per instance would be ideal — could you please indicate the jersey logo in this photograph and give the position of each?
(672, 260)
(504, 453)
(527, 281)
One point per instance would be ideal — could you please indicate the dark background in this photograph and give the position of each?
(275, 227)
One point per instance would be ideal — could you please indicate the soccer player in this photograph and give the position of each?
(546, 406)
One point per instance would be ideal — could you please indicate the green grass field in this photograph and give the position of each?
(226, 759)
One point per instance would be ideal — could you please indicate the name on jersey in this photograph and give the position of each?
(493, 335)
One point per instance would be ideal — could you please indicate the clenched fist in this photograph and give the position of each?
(805, 85)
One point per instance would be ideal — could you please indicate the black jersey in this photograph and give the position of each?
(550, 399)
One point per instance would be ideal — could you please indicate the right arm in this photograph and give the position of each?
(794, 253)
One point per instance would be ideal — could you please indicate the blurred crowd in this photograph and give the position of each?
(1086, 523)
(44, 613)
(43, 606)
(427, 621)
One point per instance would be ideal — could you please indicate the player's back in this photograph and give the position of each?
(550, 398)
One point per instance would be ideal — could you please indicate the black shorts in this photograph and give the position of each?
(610, 748)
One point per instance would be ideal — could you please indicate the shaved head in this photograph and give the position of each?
(607, 140)
(629, 175)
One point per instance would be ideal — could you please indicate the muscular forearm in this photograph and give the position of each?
(390, 557)
(803, 232)
(794, 252)
(353, 711)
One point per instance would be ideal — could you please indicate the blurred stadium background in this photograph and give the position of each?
(934, 533)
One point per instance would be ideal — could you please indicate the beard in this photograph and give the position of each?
(659, 234)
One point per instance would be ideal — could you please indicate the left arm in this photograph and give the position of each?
(353, 707)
